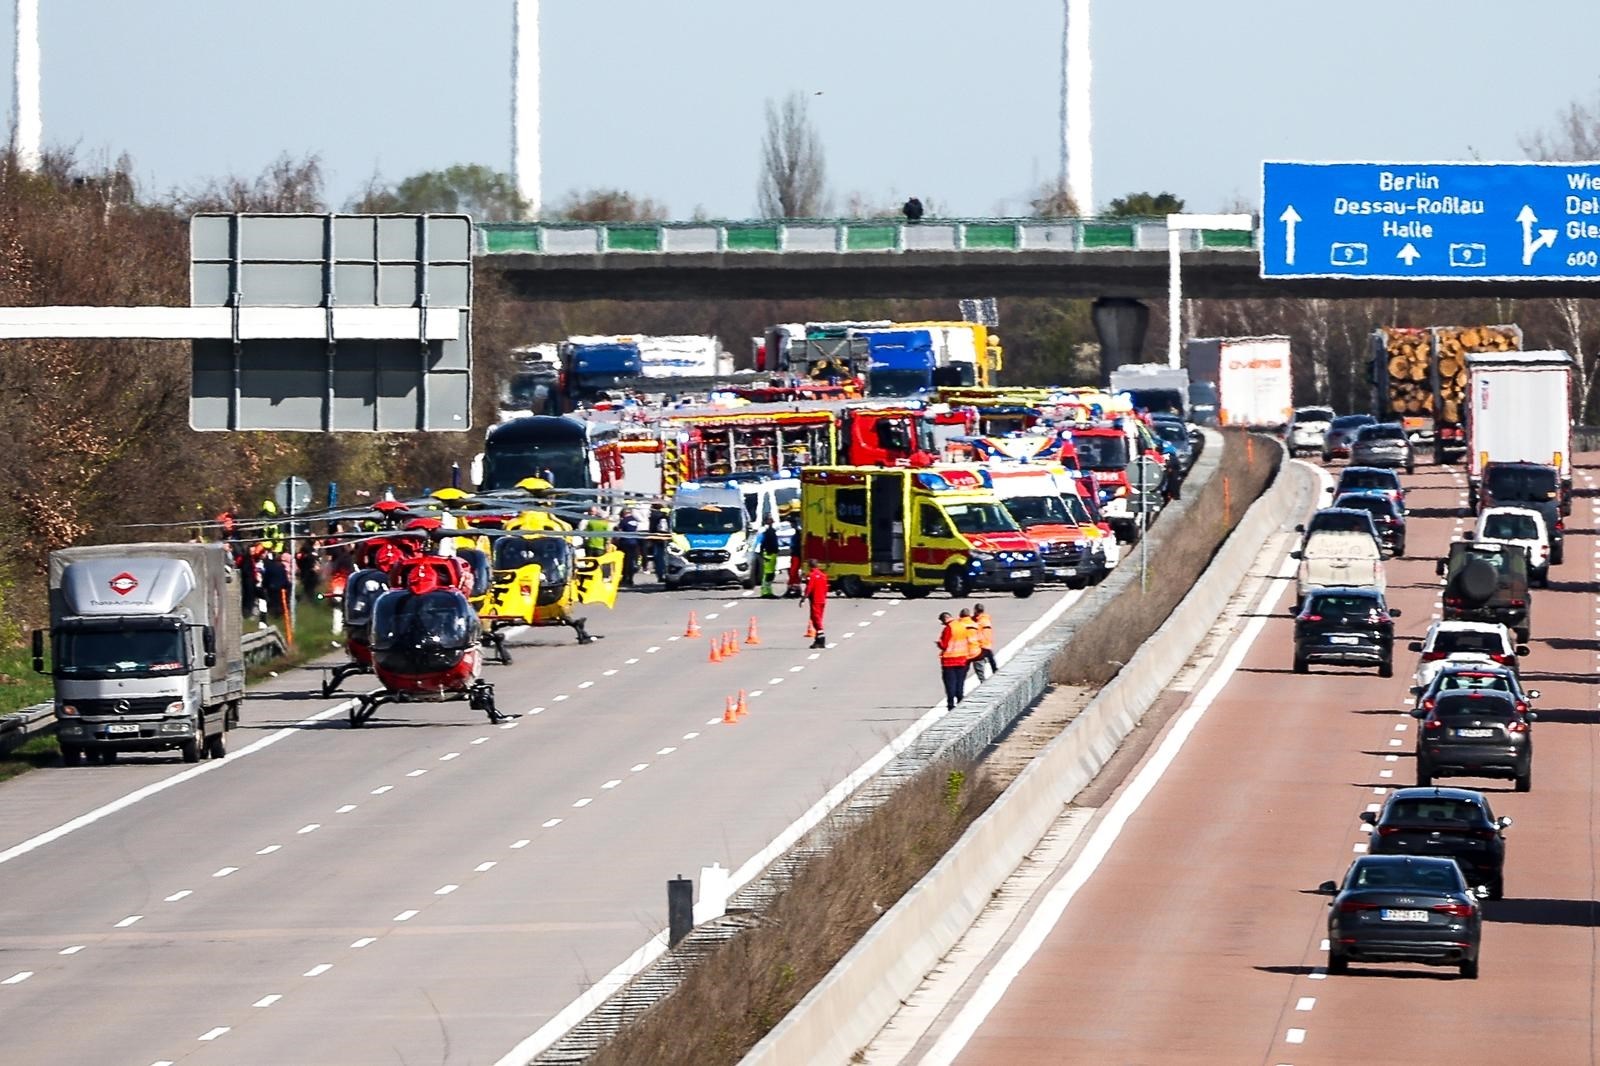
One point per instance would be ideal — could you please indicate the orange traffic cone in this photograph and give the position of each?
(716, 652)
(730, 712)
(730, 643)
(693, 628)
(753, 637)
(741, 707)
(811, 631)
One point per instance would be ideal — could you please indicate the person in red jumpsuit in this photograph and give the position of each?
(816, 591)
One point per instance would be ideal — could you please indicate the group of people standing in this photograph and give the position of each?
(965, 643)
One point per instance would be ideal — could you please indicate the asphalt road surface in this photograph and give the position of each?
(430, 887)
(1198, 938)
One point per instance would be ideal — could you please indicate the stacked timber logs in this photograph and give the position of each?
(1409, 355)
(1453, 343)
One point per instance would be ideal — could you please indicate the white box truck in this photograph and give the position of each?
(1153, 387)
(145, 649)
(1251, 375)
(1519, 411)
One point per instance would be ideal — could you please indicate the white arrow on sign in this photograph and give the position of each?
(1289, 217)
(1530, 245)
(1409, 253)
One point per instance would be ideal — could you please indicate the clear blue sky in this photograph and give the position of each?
(953, 100)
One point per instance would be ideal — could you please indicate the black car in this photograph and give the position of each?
(1173, 432)
(1528, 485)
(1340, 520)
(1387, 517)
(1402, 908)
(1475, 734)
(1488, 582)
(1341, 434)
(1450, 823)
(1346, 627)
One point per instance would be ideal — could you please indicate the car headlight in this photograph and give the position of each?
(68, 711)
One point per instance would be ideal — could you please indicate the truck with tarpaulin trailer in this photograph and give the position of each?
(1251, 375)
(914, 531)
(1419, 379)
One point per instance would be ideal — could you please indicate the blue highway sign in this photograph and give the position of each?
(1431, 221)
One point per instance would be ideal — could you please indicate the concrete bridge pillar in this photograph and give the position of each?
(1121, 324)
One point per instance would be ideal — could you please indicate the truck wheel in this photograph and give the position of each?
(1300, 665)
(1386, 668)
(915, 592)
(232, 719)
(71, 755)
(194, 745)
(956, 583)
(217, 745)
(1022, 593)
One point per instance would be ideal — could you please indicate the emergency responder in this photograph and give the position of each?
(970, 628)
(308, 566)
(629, 545)
(271, 533)
(985, 657)
(275, 583)
(1172, 485)
(816, 591)
(953, 659)
(795, 577)
(769, 559)
(660, 524)
(595, 523)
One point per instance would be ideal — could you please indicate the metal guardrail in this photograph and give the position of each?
(21, 726)
(843, 236)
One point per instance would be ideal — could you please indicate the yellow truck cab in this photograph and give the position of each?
(914, 530)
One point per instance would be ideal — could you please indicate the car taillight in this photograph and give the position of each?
(1500, 658)
(1560, 524)
(1431, 724)
(1452, 601)
(1455, 910)
(1429, 704)
(1388, 830)
(1522, 706)
(1310, 618)
(1519, 603)
(1350, 906)
(1517, 727)
(1383, 619)
(1432, 656)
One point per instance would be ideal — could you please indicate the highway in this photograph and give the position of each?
(430, 887)
(1197, 937)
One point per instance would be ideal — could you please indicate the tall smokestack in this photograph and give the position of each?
(26, 125)
(525, 103)
(1077, 155)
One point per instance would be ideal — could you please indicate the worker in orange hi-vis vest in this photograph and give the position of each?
(954, 657)
(984, 654)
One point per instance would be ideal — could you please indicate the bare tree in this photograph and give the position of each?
(792, 167)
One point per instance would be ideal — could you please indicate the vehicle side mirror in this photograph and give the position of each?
(1503, 822)
(1481, 891)
(208, 637)
(38, 651)
(1532, 693)
(1532, 716)
(1370, 817)
(1418, 713)
(1327, 888)
(1415, 645)
(1395, 612)
(1301, 528)
(1522, 649)
(1297, 555)
(1438, 568)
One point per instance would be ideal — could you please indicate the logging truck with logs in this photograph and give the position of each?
(1420, 379)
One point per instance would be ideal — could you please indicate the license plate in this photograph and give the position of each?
(1474, 732)
(1344, 640)
(122, 728)
(1390, 915)
(1062, 571)
(1022, 573)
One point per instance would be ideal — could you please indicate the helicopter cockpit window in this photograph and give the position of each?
(549, 554)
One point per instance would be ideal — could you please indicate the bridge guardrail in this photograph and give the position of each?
(844, 236)
(21, 726)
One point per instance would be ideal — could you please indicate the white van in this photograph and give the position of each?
(1336, 558)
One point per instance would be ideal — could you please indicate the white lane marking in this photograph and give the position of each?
(447, 756)
(814, 655)
(483, 867)
(848, 635)
(1401, 728)
(1395, 742)
(266, 1001)
(509, 725)
(864, 623)
(1305, 1003)
(613, 783)
(1317, 975)
(1385, 773)
(318, 970)
(656, 946)
(139, 795)
(535, 710)
(1378, 790)
(878, 613)
(345, 809)
(381, 789)
(481, 740)
(524, 842)
(753, 695)
(1374, 807)
(608, 673)
(129, 920)
(730, 603)
(310, 827)
(671, 639)
(1391, 758)
(586, 684)
(225, 871)
(713, 614)
(584, 802)
(775, 680)
(551, 824)
(176, 896)
(163, 1062)
(17, 978)
(405, 916)
(713, 721)
(560, 698)
(690, 736)
(666, 751)
(1358, 848)
(630, 662)
(1295, 1036)
(1116, 816)
(1324, 945)
(416, 773)
(636, 767)
(73, 950)
(445, 890)
(364, 941)
(269, 849)
(796, 669)
(212, 1034)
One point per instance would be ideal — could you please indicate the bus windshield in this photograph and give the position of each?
(565, 465)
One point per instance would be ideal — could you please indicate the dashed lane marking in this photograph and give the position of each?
(586, 684)
(630, 662)
(636, 767)
(129, 920)
(266, 1001)
(416, 773)
(212, 1034)
(381, 789)
(318, 970)
(405, 916)
(1305, 1003)
(73, 950)
(584, 802)
(484, 867)
(17, 978)
(666, 751)
(690, 736)
(552, 823)
(346, 809)
(447, 756)
(445, 890)
(608, 673)
(225, 871)
(524, 842)
(652, 649)
(269, 849)
(364, 941)
(1385, 773)
(559, 698)
(176, 896)
(1295, 1036)
(309, 828)
(613, 783)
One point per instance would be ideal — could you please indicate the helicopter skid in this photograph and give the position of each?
(337, 676)
(479, 696)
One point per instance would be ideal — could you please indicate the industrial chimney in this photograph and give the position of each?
(1077, 155)
(26, 125)
(525, 103)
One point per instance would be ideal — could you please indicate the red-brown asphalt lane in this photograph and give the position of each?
(1199, 940)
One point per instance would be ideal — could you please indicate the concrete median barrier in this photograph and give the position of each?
(844, 1012)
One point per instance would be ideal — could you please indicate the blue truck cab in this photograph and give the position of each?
(900, 363)
(588, 370)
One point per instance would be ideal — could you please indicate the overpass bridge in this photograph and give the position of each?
(883, 258)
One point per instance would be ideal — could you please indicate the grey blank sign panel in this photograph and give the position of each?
(338, 383)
